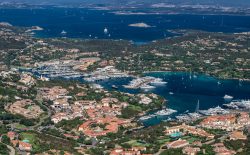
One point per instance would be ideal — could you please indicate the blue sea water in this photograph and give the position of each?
(90, 24)
(84, 23)
(188, 90)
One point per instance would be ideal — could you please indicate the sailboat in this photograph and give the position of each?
(190, 75)
(63, 32)
(197, 107)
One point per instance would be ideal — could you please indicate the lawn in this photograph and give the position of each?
(20, 126)
(31, 137)
(191, 139)
(135, 143)
(164, 140)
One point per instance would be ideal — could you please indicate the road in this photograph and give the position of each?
(12, 150)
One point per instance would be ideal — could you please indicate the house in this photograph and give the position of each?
(23, 146)
(59, 116)
(26, 108)
(190, 150)
(132, 151)
(220, 149)
(60, 103)
(177, 144)
(27, 79)
(188, 129)
(224, 122)
(12, 135)
(237, 135)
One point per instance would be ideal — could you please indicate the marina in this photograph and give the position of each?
(59, 71)
(214, 111)
(105, 73)
(183, 93)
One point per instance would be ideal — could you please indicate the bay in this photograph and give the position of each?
(90, 24)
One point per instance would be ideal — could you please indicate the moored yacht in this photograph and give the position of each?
(147, 87)
(165, 112)
(158, 81)
(228, 97)
(147, 117)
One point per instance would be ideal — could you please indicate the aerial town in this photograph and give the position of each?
(43, 111)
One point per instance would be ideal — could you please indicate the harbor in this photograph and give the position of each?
(181, 91)
(59, 71)
(105, 73)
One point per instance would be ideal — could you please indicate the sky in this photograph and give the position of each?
(212, 2)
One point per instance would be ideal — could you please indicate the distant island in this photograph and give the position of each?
(141, 25)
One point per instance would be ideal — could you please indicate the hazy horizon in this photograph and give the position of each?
(233, 3)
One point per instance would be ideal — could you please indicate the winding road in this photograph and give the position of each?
(12, 150)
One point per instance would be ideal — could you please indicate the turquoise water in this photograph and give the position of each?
(187, 91)
(176, 135)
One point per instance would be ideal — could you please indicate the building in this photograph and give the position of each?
(25, 108)
(177, 144)
(23, 146)
(227, 122)
(220, 149)
(12, 135)
(188, 129)
(27, 79)
(110, 125)
(132, 151)
(224, 122)
(237, 135)
(59, 117)
(190, 150)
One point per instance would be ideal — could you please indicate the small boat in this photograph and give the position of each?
(147, 87)
(63, 32)
(105, 30)
(114, 87)
(147, 117)
(171, 93)
(158, 81)
(228, 97)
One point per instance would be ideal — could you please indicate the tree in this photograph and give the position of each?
(5, 140)
(3, 149)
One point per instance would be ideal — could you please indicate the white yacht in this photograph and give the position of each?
(228, 97)
(158, 81)
(165, 112)
(147, 87)
(147, 117)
